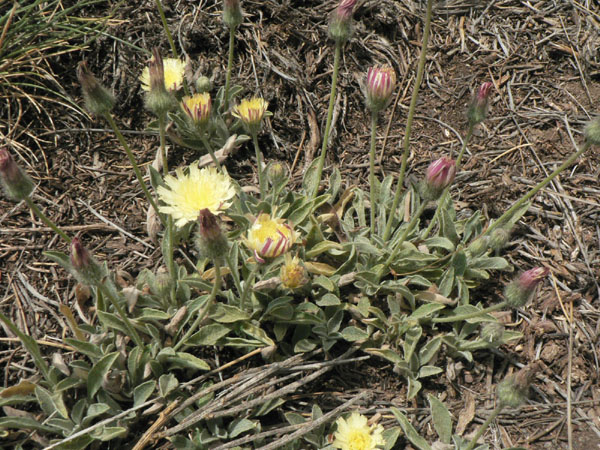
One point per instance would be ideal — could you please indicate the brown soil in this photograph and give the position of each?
(543, 60)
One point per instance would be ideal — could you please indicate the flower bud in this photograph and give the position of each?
(499, 237)
(492, 333)
(514, 389)
(340, 23)
(232, 13)
(478, 246)
(203, 84)
(276, 173)
(293, 273)
(84, 266)
(210, 240)
(269, 238)
(592, 132)
(440, 174)
(16, 183)
(381, 82)
(98, 99)
(158, 99)
(518, 291)
(478, 107)
(197, 108)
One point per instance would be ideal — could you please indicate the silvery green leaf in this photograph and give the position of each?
(428, 351)
(414, 386)
(440, 242)
(353, 334)
(442, 421)
(142, 392)
(428, 371)
(390, 436)
(108, 433)
(98, 371)
(411, 340)
(310, 182)
(426, 310)
(228, 314)
(208, 335)
(489, 263)
(167, 383)
(239, 426)
(411, 434)
(257, 333)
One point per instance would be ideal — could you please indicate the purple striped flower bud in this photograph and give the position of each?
(340, 24)
(440, 174)
(16, 183)
(478, 107)
(381, 82)
(211, 241)
(98, 99)
(84, 266)
(270, 238)
(232, 13)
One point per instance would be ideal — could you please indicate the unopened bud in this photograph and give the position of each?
(499, 237)
(16, 183)
(440, 174)
(232, 13)
(197, 108)
(276, 173)
(518, 291)
(203, 84)
(293, 273)
(478, 108)
(210, 240)
(514, 389)
(592, 132)
(98, 99)
(340, 23)
(492, 333)
(478, 246)
(158, 99)
(381, 82)
(84, 266)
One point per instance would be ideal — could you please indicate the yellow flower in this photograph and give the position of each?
(251, 111)
(187, 194)
(356, 434)
(269, 237)
(197, 107)
(174, 70)
(293, 274)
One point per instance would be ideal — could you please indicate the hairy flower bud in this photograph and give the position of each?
(380, 85)
(16, 183)
(478, 108)
(210, 240)
(197, 108)
(499, 237)
(203, 84)
(492, 333)
(514, 389)
(478, 246)
(158, 99)
(340, 23)
(98, 99)
(440, 174)
(293, 273)
(592, 132)
(251, 112)
(518, 291)
(232, 13)
(269, 237)
(84, 266)
(276, 173)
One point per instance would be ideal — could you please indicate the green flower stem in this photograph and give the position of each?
(261, 179)
(136, 168)
(162, 122)
(202, 313)
(321, 163)
(508, 214)
(30, 345)
(211, 152)
(372, 189)
(247, 286)
(229, 68)
(472, 315)
(161, 12)
(236, 278)
(407, 230)
(38, 212)
(445, 194)
(409, 120)
(131, 330)
(483, 427)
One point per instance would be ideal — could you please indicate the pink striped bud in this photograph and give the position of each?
(340, 24)
(211, 241)
(518, 291)
(381, 82)
(440, 174)
(270, 238)
(479, 106)
(16, 183)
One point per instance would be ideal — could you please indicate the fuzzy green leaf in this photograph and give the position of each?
(97, 373)
(442, 421)
(143, 391)
(208, 335)
(409, 431)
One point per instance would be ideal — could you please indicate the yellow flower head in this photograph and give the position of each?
(356, 434)
(174, 69)
(269, 237)
(251, 111)
(197, 107)
(187, 194)
(293, 274)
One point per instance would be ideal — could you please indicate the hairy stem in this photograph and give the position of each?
(321, 163)
(259, 168)
(483, 427)
(211, 152)
(229, 69)
(372, 189)
(38, 212)
(409, 120)
(472, 315)
(248, 286)
(133, 163)
(161, 12)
